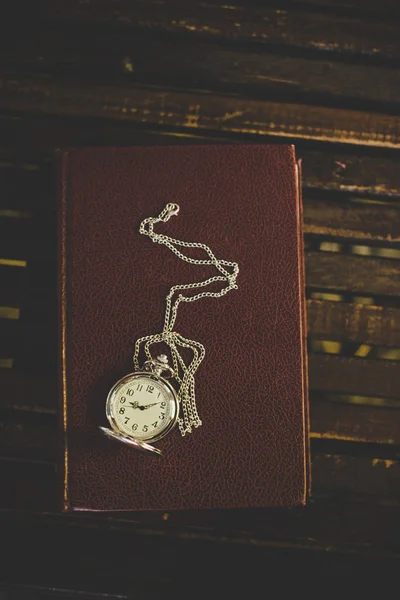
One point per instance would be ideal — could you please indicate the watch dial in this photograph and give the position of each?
(142, 407)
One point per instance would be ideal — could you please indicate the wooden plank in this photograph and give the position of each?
(360, 275)
(360, 376)
(288, 28)
(387, 7)
(354, 422)
(29, 485)
(50, 591)
(31, 191)
(34, 393)
(360, 323)
(324, 525)
(342, 172)
(192, 111)
(28, 238)
(22, 339)
(362, 475)
(180, 63)
(29, 285)
(229, 564)
(27, 147)
(12, 285)
(33, 441)
(17, 290)
(351, 221)
(9, 337)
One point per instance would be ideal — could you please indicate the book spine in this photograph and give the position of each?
(303, 320)
(62, 170)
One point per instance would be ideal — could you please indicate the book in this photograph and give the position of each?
(243, 201)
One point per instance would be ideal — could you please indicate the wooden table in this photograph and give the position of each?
(323, 75)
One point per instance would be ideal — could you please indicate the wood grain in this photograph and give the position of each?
(191, 111)
(390, 7)
(32, 591)
(321, 74)
(355, 174)
(13, 285)
(32, 441)
(269, 26)
(354, 422)
(236, 557)
(323, 525)
(351, 221)
(178, 63)
(359, 376)
(360, 275)
(34, 393)
(27, 157)
(360, 474)
(358, 323)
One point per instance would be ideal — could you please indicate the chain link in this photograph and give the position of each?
(184, 374)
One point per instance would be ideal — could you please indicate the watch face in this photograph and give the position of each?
(142, 406)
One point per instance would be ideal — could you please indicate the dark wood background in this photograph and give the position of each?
(324, 75)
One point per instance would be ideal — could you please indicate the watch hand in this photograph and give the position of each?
(137, 405)
(148, 405)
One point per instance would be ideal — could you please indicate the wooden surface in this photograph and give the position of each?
(321, 74)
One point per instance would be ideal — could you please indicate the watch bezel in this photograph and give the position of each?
(170, 392)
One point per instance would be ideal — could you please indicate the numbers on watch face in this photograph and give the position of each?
(142, 408)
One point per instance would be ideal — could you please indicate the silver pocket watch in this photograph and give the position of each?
(143, 406)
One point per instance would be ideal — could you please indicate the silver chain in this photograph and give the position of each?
(184, 374)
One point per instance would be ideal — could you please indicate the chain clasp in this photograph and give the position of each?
(171, 210)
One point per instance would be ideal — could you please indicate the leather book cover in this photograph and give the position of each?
(244, 202)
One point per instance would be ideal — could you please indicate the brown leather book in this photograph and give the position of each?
(251, 389)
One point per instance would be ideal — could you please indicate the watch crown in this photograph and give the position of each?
(159, 366)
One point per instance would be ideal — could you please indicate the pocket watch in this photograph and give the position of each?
(143, 406)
